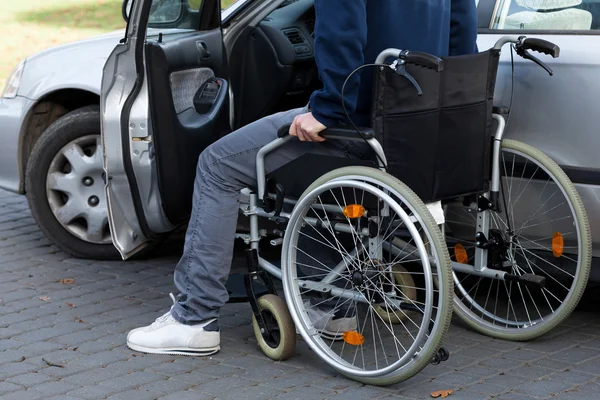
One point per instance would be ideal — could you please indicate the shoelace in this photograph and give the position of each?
(166, 316)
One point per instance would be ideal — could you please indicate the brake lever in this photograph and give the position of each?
(400, 68)
(528, 56)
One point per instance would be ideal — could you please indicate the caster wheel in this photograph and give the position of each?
(280, 344)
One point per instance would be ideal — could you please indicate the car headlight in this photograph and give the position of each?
(13, 82)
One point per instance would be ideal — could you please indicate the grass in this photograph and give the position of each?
(34, 25)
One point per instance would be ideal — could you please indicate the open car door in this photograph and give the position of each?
(164, 100)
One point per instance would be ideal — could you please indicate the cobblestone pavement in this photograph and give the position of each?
(66, 341)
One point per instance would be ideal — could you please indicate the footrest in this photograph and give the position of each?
(237, 290)
(527, 279)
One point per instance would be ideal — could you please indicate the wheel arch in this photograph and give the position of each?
(44, 113)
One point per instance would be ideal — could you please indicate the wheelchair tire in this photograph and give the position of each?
(282, 343)
(516, 321)
(440, 269)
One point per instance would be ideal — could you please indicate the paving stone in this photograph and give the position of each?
(530, 372)
(575, 377)
(165, 386)
(506, 380)
(133, 395)
(101, 359)
(132, 380)
(501, 363)
(53, 388)
(7, 387)
(291, 380)
(515, 396)
(523, 355)
(29, 380)
(304, 393)
(194, 378)
(93, 392)
(590, 366)
(487, 389)
(14, 369)
(551, 363)
(543, 388)
(188, 395)
(576, 354)
(458, 379)
(23, 395)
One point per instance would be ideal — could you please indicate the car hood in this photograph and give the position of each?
(76, 65)
(84, 47)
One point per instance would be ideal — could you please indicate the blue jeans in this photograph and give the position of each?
(225, 168)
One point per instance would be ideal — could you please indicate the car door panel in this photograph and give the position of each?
(176, 70)
(151, 136)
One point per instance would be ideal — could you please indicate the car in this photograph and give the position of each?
(137, 89)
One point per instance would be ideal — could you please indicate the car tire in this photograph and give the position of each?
(65, 166)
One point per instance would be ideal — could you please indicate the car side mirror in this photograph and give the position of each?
(126, 9)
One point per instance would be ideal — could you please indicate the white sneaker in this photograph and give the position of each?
(327, 325)
(168, 336)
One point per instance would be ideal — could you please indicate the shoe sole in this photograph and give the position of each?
(176, 352)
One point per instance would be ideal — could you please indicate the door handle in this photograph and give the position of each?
(203, 49)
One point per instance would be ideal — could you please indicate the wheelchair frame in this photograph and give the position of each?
(259, 267)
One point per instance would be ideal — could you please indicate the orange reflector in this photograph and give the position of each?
(354, 338)
(558, 244)
(461, 254)
(354, 211)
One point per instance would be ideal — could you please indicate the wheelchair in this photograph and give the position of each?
(373, 268)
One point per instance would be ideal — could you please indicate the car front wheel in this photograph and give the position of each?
(65, 186)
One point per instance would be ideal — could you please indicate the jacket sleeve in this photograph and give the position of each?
(340, 40)
(463, 28)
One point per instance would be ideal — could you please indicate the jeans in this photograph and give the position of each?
(225, 168)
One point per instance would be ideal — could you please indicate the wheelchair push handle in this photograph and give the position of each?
(404, 57)
(422, 60)
(541, 46)
(523, 45)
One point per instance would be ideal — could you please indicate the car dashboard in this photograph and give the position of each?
(273, 65)
(290, 30)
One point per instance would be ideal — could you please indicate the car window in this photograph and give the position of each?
(182, 14)
(552, 15)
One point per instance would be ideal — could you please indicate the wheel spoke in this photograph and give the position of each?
(65, 183)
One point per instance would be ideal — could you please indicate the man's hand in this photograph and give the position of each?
(307, 128)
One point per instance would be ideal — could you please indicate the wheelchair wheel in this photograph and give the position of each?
(542, 231)
(281, 343)
(346, 234)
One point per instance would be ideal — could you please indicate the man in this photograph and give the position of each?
(348, 34)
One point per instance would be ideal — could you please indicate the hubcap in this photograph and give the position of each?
(75, 190)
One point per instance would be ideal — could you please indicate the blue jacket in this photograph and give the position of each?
(351, 33)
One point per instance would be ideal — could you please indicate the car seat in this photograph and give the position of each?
(549, 15)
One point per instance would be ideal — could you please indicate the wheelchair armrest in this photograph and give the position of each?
(336, 132)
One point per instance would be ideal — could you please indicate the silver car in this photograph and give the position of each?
(137, 89)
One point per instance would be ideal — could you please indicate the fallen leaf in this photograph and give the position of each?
(70, 305)
(441, 393)
(66, 281)
(78, 319)
(44, 298)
